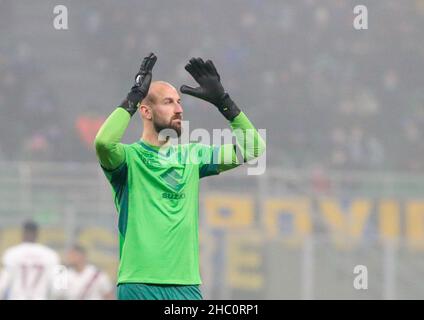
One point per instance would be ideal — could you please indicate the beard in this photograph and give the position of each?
(168, 129)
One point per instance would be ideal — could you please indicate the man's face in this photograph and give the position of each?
(167, 112)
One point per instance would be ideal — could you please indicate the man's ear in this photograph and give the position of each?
(146, 111)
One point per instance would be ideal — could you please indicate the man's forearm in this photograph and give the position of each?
(249, 142)
(109, 148)
(248, 138)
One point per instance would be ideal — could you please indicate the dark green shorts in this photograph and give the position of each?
(141, 291)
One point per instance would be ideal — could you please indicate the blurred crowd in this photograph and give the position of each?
(329, 96)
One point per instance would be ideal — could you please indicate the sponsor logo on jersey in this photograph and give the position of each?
(171, 195)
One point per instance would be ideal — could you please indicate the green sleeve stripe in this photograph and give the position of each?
(123, 212)
(212, 167)
(118, 179)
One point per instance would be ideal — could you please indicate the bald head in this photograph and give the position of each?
(158, 90)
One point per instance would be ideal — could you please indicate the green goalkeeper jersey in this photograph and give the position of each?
(156, 192)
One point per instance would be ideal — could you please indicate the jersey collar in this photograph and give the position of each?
(153, 148)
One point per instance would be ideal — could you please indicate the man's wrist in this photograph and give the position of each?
(228, 108)
(129, 106)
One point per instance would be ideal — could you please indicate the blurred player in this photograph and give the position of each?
(156, 185)
(28, 268)
(85, 281)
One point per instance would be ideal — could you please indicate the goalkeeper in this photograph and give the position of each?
(157, 197)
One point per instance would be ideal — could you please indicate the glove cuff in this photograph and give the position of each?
(129, 106)
(228, 108)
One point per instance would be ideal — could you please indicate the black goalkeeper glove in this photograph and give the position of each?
(210, 88)
(141, 86)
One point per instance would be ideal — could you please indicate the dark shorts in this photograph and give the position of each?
(141, 291)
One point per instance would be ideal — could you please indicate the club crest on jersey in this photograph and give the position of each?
(173, 179)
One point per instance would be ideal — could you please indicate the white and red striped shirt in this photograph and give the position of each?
(28, 272)
(89, 284)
